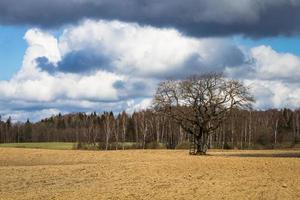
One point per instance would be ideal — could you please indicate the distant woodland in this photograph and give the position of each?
(148, 129)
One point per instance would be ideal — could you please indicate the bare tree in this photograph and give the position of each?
(200, 103)
(108, 127)
(123, 119)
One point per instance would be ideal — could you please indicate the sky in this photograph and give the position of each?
(65, 56)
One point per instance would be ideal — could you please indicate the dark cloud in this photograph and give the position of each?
(45, 64)
(253, 18)
(135, 88)
(77, 62)
(230, 57)
(119, 85)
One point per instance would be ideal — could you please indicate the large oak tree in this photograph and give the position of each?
(200, 103)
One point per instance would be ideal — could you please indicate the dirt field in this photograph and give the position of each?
(150, 174)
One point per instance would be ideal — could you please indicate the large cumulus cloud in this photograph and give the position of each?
(254, 18)
(111, 65)
(128, 48)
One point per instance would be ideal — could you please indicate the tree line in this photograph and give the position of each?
(242, 129)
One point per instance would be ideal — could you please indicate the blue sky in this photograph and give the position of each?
(98, 55)
(280, 44)
(12, 49)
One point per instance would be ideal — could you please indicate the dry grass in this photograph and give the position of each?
(150, 174)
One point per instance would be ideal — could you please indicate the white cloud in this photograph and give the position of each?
(39, 44)
(141, 50)
(136, 105)
(46, 88)
(273, 77)
(132, 47)
(274, 93)
(147, 51)
(270, 64)
(17, 116)
(32, 84)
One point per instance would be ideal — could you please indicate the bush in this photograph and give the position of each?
(155, 145)
(183, 145)
(227, 146)
(85, 146)
(113, 145)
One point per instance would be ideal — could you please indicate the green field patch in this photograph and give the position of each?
(40, 145)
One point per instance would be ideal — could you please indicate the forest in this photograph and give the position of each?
(242, 129)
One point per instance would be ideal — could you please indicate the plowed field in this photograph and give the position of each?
(149, 174)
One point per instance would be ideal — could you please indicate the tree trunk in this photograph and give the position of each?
(123, 133)
(250, 131)
(157, 129)
(201, 146)
(275, 133)
(201, 143)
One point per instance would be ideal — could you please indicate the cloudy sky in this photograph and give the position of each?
(95, 55)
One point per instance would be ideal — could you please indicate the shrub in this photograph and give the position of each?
(183, 145)
(155, 145)
(227, 146)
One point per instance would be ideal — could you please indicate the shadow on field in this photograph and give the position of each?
(276, 155)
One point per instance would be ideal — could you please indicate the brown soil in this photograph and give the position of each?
(150, 174)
